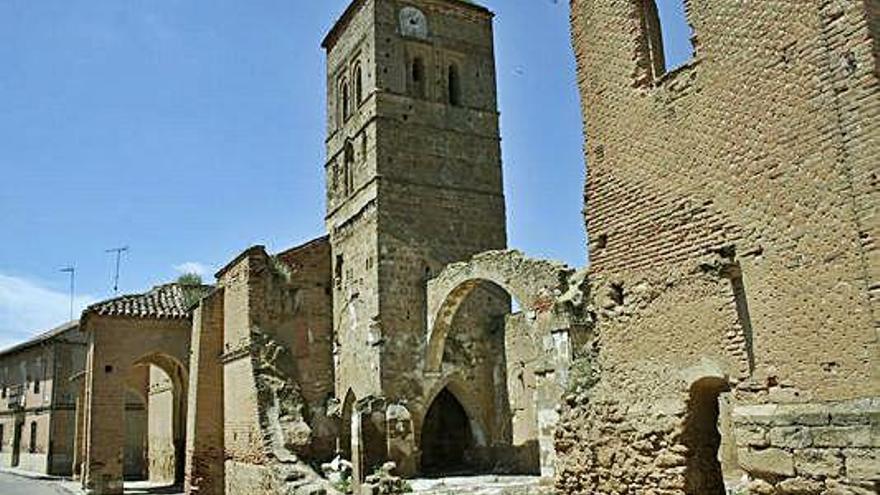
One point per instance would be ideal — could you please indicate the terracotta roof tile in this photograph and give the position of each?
(165, 301)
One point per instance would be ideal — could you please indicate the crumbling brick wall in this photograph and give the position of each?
(731, 207)
(278, 372)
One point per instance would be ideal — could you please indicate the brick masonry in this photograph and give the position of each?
(731, 207)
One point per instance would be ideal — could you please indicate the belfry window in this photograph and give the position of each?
(417, 77)
(667, 42)
(454, 85)
(358, 84)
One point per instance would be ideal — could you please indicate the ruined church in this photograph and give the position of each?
(724, 335)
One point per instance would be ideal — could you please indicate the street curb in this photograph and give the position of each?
(32, 475)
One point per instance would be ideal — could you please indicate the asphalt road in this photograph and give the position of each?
(17, 485)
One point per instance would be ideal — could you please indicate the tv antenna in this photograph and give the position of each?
(72, 271)
(118, 252)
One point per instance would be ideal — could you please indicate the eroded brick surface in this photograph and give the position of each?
(731, 207)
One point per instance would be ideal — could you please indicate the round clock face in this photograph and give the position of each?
(413, 23)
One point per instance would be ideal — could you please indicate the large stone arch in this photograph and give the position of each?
(550, 321)
(167, 397)
(534, 284)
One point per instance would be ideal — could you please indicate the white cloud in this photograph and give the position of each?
(192, 267)
(27, 309)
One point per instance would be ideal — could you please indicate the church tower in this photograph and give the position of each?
(414, 179)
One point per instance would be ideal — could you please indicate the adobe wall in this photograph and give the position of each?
(135, 464)
(69, 357)
(205, 420)
(277, 368)
(160, 427)
(119, 345)
(731, 207)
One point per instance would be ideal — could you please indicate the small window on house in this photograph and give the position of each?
(2, 437)
(358, 84)
(417, 76)
(668, 40)
(454, 85)
(4, 392)
(33, 444)
(37, 386)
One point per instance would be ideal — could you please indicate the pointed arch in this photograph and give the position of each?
(344, 100)
(451, 428)
(667, 41)
(344, 446)
(358, 77)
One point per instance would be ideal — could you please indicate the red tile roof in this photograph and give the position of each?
(164, 301)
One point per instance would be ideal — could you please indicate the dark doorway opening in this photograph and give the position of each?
(16, 443)
(446, 437)
(703, 439)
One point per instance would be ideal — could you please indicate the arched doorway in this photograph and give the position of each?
(447, 439)
(344, 446)
(495, 323)
(702, 437)
(166, 382)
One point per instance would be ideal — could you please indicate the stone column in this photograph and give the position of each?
(357, 455)
(369, 438)
(552, 378)
(401, 440)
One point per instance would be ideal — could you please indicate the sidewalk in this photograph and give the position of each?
(75, 488)
(67, 484)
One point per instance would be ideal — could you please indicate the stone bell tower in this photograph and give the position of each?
(413, 172)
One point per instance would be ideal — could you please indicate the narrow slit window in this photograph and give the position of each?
(334, 169)
(338, 270)
(345, 100)
(454, 85)
(348, 170)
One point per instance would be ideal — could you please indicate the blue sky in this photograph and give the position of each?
(192, 129)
